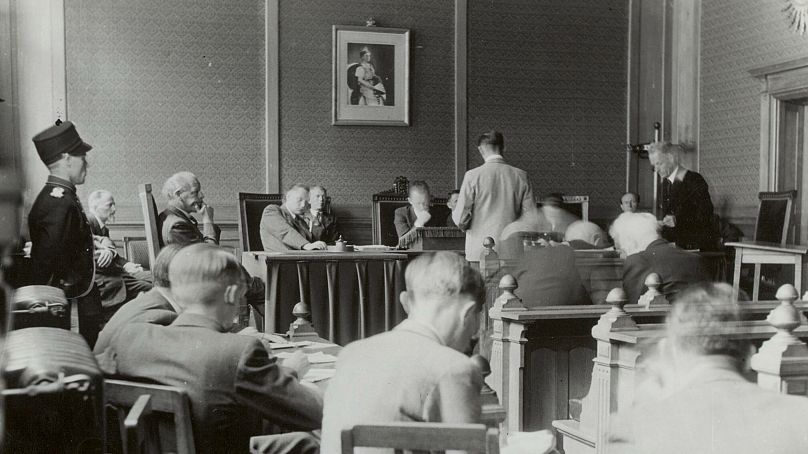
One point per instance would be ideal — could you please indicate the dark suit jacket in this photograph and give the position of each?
(232, 381)
(547, 276)
(676, 267)
(282, 231)
(175, 226)
(325, 229)
(115, 284)
(404, 220)
(689, 200)
(62, 250)
(149, 307)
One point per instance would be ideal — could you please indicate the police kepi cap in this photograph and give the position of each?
(58, 139)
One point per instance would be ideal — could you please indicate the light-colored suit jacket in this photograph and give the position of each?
(281, 231)
(491, 197)
(715, 412)
(406, 374)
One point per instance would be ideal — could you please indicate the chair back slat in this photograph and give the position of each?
(774, 216)
(164, 399)
(422, 437)
(149, 208)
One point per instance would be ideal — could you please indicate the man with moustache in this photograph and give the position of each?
(176, 223)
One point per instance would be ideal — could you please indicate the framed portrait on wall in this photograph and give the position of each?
(371, 76)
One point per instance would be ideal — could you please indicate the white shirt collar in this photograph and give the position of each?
(170, 298)
(493, 157)
(677, 174)
(101, 223)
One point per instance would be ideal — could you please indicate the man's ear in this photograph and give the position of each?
(231, 294)
(468, 308)
(404, 297)
(596, 238)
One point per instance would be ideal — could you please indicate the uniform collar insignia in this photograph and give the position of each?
(58, 192)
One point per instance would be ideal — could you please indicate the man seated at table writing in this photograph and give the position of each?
(416, 214)
(417, 371)
(176, 224)
(322, 225)
(283, 227)
(232, 381)
(637, 234)
(704, 404)
(118, 280)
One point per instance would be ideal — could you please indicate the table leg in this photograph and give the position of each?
(756, 286)
(362, 283)
(332, 274)
(736, 276)
(303, 281)
(389, 294)
(798, 273)
(271, 300)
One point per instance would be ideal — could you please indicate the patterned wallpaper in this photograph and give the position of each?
(737, 35)
(552, 77)
(354, 162)
(161, 86)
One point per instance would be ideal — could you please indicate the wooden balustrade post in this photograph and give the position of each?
(362, 284)
(302, 328)
(782, 361)
(492, 412)
(507, 355)
(653, 297)
(603, 390)
(489, 269)
(332, 278)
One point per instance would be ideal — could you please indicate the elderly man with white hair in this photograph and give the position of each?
(283, 228)
(118, 279)
(688, 218)
(637, 234)
(176, 223)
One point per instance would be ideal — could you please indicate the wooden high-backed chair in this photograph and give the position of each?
(250, 208)
(769, 245)
(422, 436)
(126, 395)
(149, 208)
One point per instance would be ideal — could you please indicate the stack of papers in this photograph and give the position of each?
(314, 358)
(280, 345)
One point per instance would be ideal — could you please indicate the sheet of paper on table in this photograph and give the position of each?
(315, 375)
(280, 345)
(314, 358)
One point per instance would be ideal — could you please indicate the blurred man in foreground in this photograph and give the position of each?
(417, 371)
(706, 405)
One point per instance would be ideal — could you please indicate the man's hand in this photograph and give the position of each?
(205, 212)
(669, 221)
(132, 268)
(104, 257)
(298, 362)
(317, 245)
(421, 218)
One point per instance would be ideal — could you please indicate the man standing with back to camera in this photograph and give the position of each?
(62, 243)
(491, 196)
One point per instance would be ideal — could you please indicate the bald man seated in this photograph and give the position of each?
(284, 228)
(417, 371)
(177, 224)
(233, 382)
(583, 235)
(637, 234)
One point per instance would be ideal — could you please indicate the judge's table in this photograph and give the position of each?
(352, 294)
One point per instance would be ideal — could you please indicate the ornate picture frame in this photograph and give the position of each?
(371, 76)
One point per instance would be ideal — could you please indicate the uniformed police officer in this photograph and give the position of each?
(62, 249)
